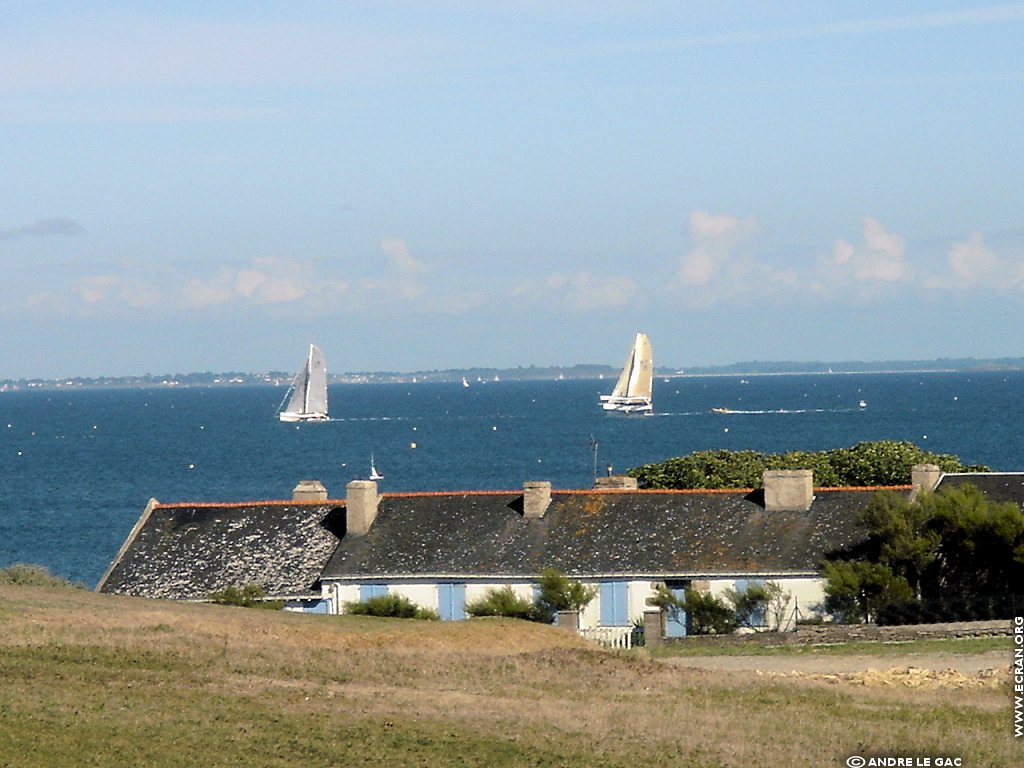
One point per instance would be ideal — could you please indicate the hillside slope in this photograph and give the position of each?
(101, 680)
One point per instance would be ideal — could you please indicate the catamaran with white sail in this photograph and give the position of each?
(632, 393)
(308, 390)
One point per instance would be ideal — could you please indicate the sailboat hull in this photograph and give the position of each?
(628, 405)
(289, 416)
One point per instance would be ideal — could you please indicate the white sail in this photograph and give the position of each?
(633, 390)
(309, 390)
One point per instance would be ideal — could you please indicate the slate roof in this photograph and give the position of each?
(592, 533)
(997, 486)
(187, 551)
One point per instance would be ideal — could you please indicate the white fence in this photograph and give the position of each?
(614, 637)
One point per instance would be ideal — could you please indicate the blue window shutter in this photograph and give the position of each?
(451, 602)
(366, 591)
(614, 609)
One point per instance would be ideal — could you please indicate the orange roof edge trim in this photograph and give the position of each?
(519, 491)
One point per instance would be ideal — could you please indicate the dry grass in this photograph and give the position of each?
(97, 680)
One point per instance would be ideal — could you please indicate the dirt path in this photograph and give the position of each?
(967, 664)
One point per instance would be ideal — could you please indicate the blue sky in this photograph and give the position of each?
(211, 186)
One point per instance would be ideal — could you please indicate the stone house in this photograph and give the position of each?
(445, 550)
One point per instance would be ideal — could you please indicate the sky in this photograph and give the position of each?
(198, 186)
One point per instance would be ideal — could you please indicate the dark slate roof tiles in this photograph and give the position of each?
(598, 533)
(188, 551)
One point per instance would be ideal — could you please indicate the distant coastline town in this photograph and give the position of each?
(519, 373)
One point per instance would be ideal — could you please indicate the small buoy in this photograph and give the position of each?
(494, 429)
(924, 437)
(19, 453)
(726, 429)
(412, 445)
(191, 466)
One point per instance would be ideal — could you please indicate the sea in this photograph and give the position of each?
(77, 466)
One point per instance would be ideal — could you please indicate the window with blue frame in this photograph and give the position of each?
(614, 603)
(451, 602)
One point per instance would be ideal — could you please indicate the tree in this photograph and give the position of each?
(948, 555)
(855, 589)
(560, 593)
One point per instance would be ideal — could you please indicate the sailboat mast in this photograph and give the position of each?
(309, 373)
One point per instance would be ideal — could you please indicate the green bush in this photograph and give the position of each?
(883, 462)
(505, 602)
(709, 615)
(391, 606)
(33, 576)
(560, 593)
(249, 596)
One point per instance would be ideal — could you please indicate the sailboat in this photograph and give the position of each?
(632, 393)
(374, 474)
(308, 391)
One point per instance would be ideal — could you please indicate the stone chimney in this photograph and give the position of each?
(361, 502)
(788, 490)
(924, 477)
(536, 498)
(309, 490)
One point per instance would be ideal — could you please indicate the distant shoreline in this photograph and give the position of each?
(529, 373)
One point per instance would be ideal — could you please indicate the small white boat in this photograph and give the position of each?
(632, 392)
(308, 391)
(464, 382)
(374, 474)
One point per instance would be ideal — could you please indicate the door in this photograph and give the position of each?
(451, 602)
(675, 620)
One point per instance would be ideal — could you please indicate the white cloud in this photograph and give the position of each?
(722, 264)
(972, 261)
(579, 292)
(266, 281)
(877, 260)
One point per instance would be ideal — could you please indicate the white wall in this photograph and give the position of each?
(806, 593)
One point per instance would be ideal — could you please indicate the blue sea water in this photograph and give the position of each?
(78, 466)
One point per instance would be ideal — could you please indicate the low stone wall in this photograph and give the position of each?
(841, 633)
(823, 634)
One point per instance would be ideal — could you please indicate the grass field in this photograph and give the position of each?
(96, 680)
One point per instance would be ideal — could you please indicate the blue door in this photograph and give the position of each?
(614, 606)
(451, 602)
(675, 621)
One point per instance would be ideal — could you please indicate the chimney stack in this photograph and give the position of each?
(309, 490)
(924, 477)
(788, 490)
(361, 502)
(536, 498)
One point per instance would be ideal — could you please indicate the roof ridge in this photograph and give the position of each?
(519, 491)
